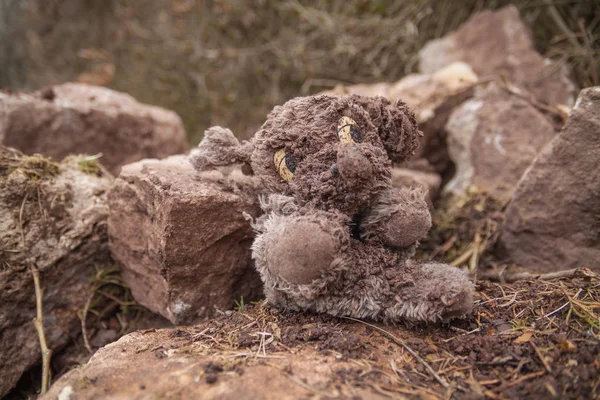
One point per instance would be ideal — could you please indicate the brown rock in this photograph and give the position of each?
(182, 239)
(52, 217)
(492, 139)
(362, 89)
(498, 43)
(425, 94)
(553, 220)
(157, 364)
(77, 118)
(434, 97)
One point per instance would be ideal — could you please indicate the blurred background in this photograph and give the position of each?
(228, 62)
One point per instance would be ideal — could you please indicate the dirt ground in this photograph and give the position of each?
(530, 339)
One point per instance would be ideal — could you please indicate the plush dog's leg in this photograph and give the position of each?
(438, 292)
(398, 219)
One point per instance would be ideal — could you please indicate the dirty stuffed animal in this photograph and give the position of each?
(335, 236)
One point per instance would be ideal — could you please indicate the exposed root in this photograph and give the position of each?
(38, 321)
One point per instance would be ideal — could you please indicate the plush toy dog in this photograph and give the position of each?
(335, 236)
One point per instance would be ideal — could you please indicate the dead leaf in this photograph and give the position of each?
(524, 338)
(567, 345)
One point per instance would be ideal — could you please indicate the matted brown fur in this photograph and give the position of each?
(335, 236)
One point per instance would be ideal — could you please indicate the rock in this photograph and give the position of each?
(53, 218)
(492, 139)
(159, 363)
(498, 43)
(77, 118)
(362, 89)
(434, 97)
(182, 239)
(261, 353)
(429, 181)
(552, 221)
(425, 94)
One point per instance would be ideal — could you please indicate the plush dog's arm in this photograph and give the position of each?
(220, 148)
(399, 218)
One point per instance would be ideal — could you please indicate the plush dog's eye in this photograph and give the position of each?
(348, 131)
(285, 163)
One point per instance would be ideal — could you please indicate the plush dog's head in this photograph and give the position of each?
(328, 152)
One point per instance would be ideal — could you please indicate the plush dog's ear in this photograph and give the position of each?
(396, 124)
(220, 148)
(400, 134)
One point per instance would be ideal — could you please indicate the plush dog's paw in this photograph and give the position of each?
(301, 251)
(438, 292)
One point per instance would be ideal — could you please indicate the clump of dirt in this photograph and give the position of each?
(464, 229)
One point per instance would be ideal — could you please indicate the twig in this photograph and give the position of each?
(84, 314)
(523, 378)
(462, 258)
(541, 357)
(21, 218)
(411, 351)
(590, 52)
(474, 259)
(502, 361)
(561, 24)
(38, 321)
(500, 276)
(516, 91)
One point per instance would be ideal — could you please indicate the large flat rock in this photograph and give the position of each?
(498, 44)
(75, 118)
(182, 238)
(492, 139)
(259, 353)
(553, 220)
(53, 218)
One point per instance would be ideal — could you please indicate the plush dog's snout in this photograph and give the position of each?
(352, 164)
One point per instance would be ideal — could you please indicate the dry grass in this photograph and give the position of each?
(228, 62)
(108, 294)
(464, 230)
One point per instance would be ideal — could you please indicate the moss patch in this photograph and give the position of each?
(35, 167)
(86, 164)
